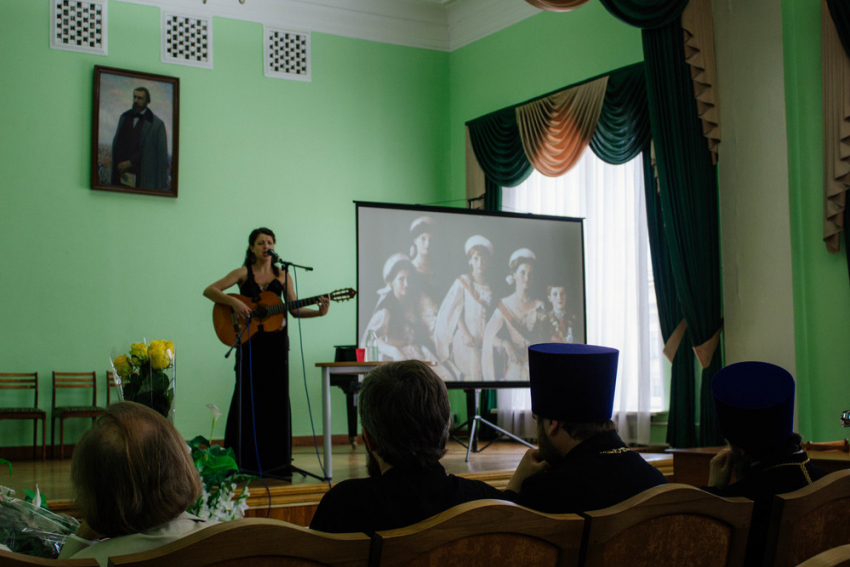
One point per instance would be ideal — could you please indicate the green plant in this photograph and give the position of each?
(220, 476)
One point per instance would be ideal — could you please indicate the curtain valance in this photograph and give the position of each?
(550, 133)
(645, 14)
(623, 127)
(555, 130)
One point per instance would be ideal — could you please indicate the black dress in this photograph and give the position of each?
(265, 412)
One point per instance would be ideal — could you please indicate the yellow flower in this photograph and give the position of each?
(122, 365)
(159, 360)
(162, 345)
(139, 351)
(159, 357)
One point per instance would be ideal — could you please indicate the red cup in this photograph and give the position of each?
(361, 354)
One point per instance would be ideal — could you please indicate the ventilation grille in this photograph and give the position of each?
(287, 55)
(78, 26)
(187, 40)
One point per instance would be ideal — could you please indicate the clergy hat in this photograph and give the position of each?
(754, 402)
(572, 382)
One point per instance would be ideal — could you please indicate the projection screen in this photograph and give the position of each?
(467, 289)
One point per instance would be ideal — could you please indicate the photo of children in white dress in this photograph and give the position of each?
(467, 291)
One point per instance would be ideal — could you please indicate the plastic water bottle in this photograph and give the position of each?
(372, 347)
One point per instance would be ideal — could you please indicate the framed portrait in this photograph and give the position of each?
(135, 132)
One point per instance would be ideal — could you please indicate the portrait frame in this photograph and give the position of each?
(152, 140)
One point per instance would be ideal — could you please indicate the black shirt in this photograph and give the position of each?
(597, 473)
(397, 498)
(762, 483)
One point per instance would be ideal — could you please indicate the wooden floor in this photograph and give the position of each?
(296, 501)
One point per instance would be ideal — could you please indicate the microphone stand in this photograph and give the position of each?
(236, 343)
(285, 265)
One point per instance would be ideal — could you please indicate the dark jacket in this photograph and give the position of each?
(397, 498)
(762, 483)
(599, 472)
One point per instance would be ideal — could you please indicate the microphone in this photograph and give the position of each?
(273, 254)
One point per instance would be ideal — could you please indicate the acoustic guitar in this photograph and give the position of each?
(267, 313)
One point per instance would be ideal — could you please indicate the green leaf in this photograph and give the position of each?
(5, 462)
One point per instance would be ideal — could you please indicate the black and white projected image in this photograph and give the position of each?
(467, 290)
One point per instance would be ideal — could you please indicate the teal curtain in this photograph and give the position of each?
(689, 207)
(646, 14)
(682, 419)
(498, 148)
(840, 12)
(623, 129)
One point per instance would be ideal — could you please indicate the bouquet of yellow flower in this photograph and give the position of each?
(147, 375)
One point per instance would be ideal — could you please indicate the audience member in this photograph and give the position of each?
(404, 411)
(133, 479)
(754, 402)
(581, 464)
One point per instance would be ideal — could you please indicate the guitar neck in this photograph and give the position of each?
(281, 307)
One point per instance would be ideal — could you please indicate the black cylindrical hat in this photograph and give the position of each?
(754, 402)
(572, 382)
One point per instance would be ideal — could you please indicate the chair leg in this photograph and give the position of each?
(52, 437)
(34, 439)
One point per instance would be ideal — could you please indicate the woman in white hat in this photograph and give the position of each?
(398, 321)
(464, 313)
(512, 327)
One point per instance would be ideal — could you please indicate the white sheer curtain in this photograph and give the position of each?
(620, 296)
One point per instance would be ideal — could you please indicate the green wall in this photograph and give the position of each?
(85, 271)
(88, 271)
(821, 291)
(536, 56)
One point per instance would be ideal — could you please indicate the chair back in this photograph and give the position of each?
(670, 524)
(75, 380)
(835, 557)
(110, 384)
(20, 381)
(842, 446)
(254, 542)
(809, 521)
(483, 532)
(10, 559)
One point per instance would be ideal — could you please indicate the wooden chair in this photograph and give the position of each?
(809, 521)
(842, 446)
(9, 559)
(254, 542)
(671, 524)
(110, 384)
(71, 380)
(835, 557)
(18, 381)
(488, 533)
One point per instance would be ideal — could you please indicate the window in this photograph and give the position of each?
(621, 306)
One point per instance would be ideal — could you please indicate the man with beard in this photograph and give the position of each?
(754, 402)
(581, 464)
(140, 147)
(404, 411)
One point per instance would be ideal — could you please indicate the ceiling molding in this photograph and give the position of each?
(440, 25)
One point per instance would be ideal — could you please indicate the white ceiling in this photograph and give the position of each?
(442, 25)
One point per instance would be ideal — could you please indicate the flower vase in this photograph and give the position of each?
(147, 375)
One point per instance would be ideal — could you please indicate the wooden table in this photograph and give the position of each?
(355, 372)
(356, 369)
(690, 466)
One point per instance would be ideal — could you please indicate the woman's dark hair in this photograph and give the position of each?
(132, 471)
(250, 257)
(404, 406)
